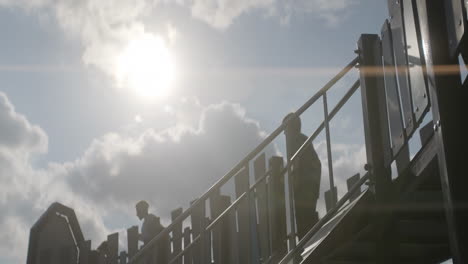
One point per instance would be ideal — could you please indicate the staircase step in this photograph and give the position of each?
(427, 253)
(425, 196)
(359, 251)
(406, 253)
(422, 231)
(347, 262)
(431, 180)
(423, 205)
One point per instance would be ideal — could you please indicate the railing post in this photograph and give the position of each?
(448, 99)
(292, 218)
(261, 192)
(378, 149)
(187, 253)
(277, 213)
(198, 229)
(176, 235)
(132, 241)
(350, 182)
(374, 109)
(113, 248)
(225, 233)
(123, 257)
(221, 232)
(85, 251)
(206, 241)
(243, 216)
(333, 189)
(216, 231)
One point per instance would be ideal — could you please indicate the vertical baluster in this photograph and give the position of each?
(113, 248)
(262, 207)
(198, 227)
(85, 250)
(207, 242)
(243, 217)
(350, 182)
(132, 241)
(292, 218)
(176, 235)
(123, 257)
(187, 253)
(333, 189)
(216, 231)
(277, 212)
(225, 231)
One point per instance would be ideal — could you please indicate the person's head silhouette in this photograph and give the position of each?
(142, 209)
(292, 125)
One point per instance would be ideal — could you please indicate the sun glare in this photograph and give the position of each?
(146, 67)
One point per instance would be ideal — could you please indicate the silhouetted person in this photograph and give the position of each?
(306, 172)
(150, 228)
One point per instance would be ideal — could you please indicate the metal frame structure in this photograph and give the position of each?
(410, 78)
(247, 194)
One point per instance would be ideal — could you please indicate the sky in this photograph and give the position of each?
(104, 103)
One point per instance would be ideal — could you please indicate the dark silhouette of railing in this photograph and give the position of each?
(247, 195)
(396, 74)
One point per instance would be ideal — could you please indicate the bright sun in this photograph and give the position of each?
(146, 67)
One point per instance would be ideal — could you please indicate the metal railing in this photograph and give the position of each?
(328, 116)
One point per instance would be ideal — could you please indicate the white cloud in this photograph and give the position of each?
(332, 12)
(105, 27)
(17, 133)
(155, 165)
(168, 168)
(221, 13)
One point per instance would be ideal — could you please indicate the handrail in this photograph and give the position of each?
(174, 259)
(327, 86)
(330, 116)
(227, 210)
(321, 127)
(243, 162)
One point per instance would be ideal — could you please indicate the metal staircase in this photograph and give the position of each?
(417, 217)
(416, 224)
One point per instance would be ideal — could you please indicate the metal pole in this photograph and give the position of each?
(292, 219)
(329, 152)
